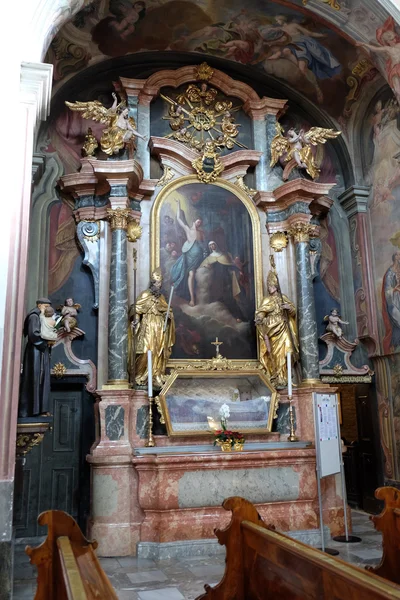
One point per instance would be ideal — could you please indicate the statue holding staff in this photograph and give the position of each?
(148, 316)
(275, 320)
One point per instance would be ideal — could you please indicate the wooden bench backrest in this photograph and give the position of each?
(266, 565)
(68, 568)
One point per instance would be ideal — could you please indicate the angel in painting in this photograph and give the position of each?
(120, 127)
(389, 41)
(295, 148)
(296, 43)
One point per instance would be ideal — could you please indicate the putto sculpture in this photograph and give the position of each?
(120, 128)
(295, 150)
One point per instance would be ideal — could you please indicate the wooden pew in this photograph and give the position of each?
(262, 564)
(388, 522)
(68, 568)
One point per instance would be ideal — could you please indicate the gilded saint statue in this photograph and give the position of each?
(152, 327)
(276, 327)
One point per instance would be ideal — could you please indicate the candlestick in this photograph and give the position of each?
(292, 435)
(289, 373)
(169, 306)
(150, 439)
(149, 374)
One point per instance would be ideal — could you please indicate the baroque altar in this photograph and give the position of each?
(202, 186)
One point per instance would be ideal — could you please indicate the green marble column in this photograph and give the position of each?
(118, 307)
(306, 316)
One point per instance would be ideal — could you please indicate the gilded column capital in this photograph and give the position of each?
(301, 232)
(118, 217)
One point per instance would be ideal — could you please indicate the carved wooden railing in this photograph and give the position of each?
(263, 564)
(68, 568)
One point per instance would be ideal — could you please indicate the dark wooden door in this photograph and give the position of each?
(55, 474)
(369, 455)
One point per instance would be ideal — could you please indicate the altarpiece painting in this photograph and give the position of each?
(206, 239)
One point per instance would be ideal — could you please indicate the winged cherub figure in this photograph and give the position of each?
(295, 148)
(120, 128)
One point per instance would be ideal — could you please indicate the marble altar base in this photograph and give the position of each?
(171, 495)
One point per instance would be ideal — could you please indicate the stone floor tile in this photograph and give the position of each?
(110, 565)
(207, 571)
(127, 595)
(139, 563)
(24, 590)
(171, 593)
(366, 553)
(147, 576)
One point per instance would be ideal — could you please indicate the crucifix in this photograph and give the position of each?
(217, 344)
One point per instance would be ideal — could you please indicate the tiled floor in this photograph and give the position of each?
(184, 579)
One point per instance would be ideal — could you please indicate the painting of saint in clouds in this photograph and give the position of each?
(206, 254)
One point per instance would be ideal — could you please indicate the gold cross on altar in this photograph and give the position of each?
(217, 344)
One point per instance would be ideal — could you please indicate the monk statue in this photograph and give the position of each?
(276, 327)
(34, 398)
(147, 331)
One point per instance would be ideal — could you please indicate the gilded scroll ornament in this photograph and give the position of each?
(120, 129)
(118, 217)
(241, 184)
(302, 232)
(278, 241)
(26, 441)
(167, 176)
(133, 231)
(208, 166)
(332, 3)
(295, 148)
(203, 72)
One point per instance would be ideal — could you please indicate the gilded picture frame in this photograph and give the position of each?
(230, 190)
(199, 377)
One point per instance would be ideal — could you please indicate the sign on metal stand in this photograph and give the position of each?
(329, 458)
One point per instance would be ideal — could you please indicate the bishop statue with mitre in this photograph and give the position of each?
(152, 328)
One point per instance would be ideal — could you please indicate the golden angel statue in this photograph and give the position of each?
(275, 320)
(152, 327)
(120, 127)
(294, 148)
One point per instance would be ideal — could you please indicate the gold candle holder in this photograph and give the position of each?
(292, 436)
(150, 439)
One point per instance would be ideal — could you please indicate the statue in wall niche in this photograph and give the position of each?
(152, 327)
(120, 129)
(334, 322)
(34, 397)
(295, 148)
(275, 320)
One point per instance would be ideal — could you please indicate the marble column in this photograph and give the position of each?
(267, 178)
(307, 323)
(118, 307)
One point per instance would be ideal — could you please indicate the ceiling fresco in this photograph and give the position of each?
(325, 49)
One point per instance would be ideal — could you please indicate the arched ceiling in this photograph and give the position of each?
(326, 49)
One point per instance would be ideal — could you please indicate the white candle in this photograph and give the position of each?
(289, 374)
(150, 374)
(169, 306)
